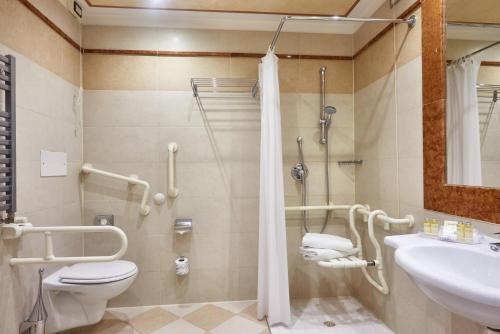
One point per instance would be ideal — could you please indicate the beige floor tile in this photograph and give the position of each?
(180, 326)
(106, 326)
(238, 325)
(152, 320)
(251, 313)
(181, 310)
(208, 317)
(236, 306)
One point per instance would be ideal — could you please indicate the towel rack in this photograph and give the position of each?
(218, 88)
(133, 180)
(8, 138)
(17, 230)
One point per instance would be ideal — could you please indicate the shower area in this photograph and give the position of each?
(209, 107)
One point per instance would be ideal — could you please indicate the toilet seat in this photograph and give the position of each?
(97, 272)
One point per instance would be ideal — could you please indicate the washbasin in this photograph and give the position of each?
(465, 279)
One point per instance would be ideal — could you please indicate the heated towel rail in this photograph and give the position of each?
(8, 137)
(132, 179)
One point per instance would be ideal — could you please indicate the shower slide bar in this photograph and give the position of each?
(17, 230)
(132, 180)
(172, 190)
(411, 21)
(407, 220)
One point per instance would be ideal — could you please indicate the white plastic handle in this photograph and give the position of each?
(172, 190)
(49, 256)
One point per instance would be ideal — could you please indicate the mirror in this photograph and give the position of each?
(472, 89)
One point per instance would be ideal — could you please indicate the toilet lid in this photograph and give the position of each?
(97, 272)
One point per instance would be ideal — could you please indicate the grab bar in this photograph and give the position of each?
(133, 180)
(172, 190)
(408, 219)
(12, 231)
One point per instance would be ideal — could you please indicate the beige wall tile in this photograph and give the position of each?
(408, 41)
(120, 72)
(25, 33)
(46, 119)
(381, 53)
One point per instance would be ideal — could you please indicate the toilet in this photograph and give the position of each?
(77, 295)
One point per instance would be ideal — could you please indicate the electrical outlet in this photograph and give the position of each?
(104, 220)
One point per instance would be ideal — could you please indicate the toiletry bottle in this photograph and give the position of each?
(461, 231)
(435, 227)
(468, 232)
(427, 226)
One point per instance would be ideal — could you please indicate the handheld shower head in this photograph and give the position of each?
(329, 110)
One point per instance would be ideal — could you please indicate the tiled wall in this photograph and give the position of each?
(135, 105)
(47, 84)
(388, 136)
(490, 151)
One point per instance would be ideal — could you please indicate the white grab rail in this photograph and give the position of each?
(12, 231)
(358, 260)
(132, 179)
(408, 219)
(172, 190)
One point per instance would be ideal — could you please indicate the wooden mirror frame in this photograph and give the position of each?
(471, 202)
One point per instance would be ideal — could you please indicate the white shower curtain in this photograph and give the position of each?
(462, 123)
(273, 298)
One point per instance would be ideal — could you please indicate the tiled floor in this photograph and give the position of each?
(348, 315)
(308, 317)
(212, 318)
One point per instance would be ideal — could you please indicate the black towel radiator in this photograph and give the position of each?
(7, 138)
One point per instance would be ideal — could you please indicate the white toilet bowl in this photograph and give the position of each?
(77, 295)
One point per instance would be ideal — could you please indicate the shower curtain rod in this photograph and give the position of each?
(411, 21)
(480, 50)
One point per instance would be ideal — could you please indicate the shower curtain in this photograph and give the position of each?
(273, 298)
(462, 123)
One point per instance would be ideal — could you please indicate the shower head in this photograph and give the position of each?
(299, 139)
(329, 110)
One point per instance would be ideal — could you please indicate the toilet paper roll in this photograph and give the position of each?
(181, 266)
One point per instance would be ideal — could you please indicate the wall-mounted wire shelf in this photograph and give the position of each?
(350, 162)
(223, 88)
(487, 97)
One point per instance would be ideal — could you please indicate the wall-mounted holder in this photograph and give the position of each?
(183, 226)
(132, 180)
(172, 190)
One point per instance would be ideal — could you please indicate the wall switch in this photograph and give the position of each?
(104, 220)
(53, 163)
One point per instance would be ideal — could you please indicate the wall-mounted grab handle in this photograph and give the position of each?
(172, 190)
(132, 179)
(13, 231)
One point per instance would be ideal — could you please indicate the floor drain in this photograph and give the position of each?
(329, 323)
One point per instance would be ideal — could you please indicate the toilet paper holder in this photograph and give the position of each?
(183, 225)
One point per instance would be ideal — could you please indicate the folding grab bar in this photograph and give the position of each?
(172, 190)
(388, 221)
(133, 180)
(12, 231)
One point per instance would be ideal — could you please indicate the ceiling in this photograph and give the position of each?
(197, 19)
(309, 7)
(478, 11)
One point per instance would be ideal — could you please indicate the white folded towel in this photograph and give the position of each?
(320, 254)
(327, 241)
